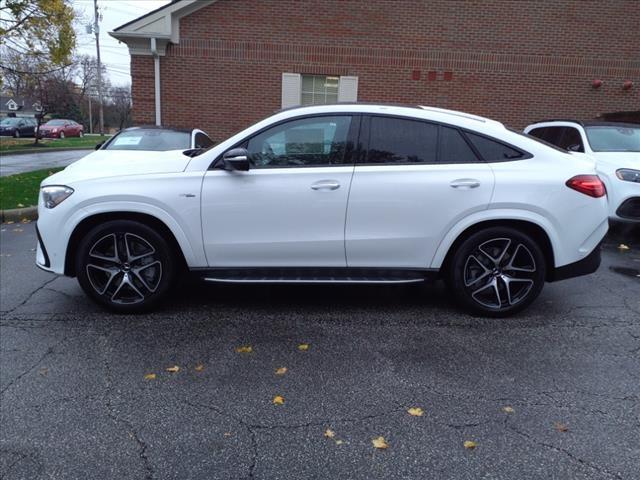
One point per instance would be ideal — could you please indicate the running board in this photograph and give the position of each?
(314, 276)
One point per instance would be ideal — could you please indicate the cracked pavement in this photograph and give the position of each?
(75, 403)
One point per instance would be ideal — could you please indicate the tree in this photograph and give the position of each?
(39, 28)
(121, 103)
(40, 33)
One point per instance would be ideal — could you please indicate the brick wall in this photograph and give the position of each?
(511, 60)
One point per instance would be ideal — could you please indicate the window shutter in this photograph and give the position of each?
(348, 89)
(291, 89)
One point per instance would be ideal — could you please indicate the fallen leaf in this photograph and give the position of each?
(18, 230)
(508, 409)
(415, 412)
(339, 442)
(622, 246)
(199, 367)
(227, 434)
(44, 371)
(278, 400)
(20, 205)
(303, 347)
(10, 222)
(561, 427)
(281, 370)
(174, 369)
(380, 443)
(244, 349)
(470, 445)
(150, 376)
(26, 220)
(329, 433)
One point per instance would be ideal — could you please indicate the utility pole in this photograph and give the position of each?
(96, 30)
(90, 115)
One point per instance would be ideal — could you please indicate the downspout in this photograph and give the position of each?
(156, 69)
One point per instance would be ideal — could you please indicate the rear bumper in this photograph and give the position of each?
(587, 265)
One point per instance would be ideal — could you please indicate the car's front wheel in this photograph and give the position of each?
(125, 266)
(61, 135)
(16, 134)
(497, 271)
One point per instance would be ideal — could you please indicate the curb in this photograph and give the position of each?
(18, 214)
(44, 150)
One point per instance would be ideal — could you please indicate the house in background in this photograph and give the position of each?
(18, 107)
(221, 65)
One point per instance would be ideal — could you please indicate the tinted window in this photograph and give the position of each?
(571, 138)
(156, 140)
(539, 133)
(202, 141)
(553, 135)
(492, 150)
(55, 123)
(9, 121)
(454, 148)
(396, 140)
(306, 142)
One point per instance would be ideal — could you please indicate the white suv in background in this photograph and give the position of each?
(331, 194)
(616, 149)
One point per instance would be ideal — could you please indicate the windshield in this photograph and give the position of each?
(9, 121)
(614, 139)
(156, 140)
(55, 123)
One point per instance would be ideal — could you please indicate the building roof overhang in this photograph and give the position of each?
(163, 24)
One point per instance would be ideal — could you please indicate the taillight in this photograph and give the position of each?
(588, 184)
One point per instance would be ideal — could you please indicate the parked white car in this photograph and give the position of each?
(331, 194)
(616, 149)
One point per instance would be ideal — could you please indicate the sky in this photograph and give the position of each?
(114, 55)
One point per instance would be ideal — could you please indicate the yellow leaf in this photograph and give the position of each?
(10, 222)
(508, 409)
(303, 347)
(561, 427)
(339, 442)
(281, 370)
(199, 367)
(622, 246)
(470, 445)
(150, 376)
(278, 400)
(380, 443)
(329, 433)
(415, 411)
(26, 220)
(20, 205)
(174, 369)
(244, 349)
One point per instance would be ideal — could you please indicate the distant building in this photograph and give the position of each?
(18, 107)
(222, 65)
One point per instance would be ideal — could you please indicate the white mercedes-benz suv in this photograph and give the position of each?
(331, 194)
(616, 149)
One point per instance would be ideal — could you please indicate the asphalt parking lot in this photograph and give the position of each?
(551, 393)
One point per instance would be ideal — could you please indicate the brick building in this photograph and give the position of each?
(223, 64)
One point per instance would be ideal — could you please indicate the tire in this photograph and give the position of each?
(497, 272)
(17, 134)
(125, 278)
(61, 135)
(80, 134)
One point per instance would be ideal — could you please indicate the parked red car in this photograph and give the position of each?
(61, 128)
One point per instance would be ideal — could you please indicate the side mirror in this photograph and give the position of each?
(97, 147)
(236, 159)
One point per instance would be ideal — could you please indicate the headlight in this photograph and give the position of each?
(54, 130)
(628, 175)
(55, 194)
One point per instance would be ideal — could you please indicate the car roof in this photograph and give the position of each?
(589, 123)
(158, 127)
(423, 112)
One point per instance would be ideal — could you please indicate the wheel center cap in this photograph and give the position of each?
(126, 267)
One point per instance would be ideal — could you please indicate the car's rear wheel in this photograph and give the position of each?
(125, 266)
(497, 271)
(80, 134)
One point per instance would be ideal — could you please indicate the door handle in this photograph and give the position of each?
(465, 183)
(325, 185)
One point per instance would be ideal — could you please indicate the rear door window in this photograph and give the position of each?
(402, 141)
(454, 148)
